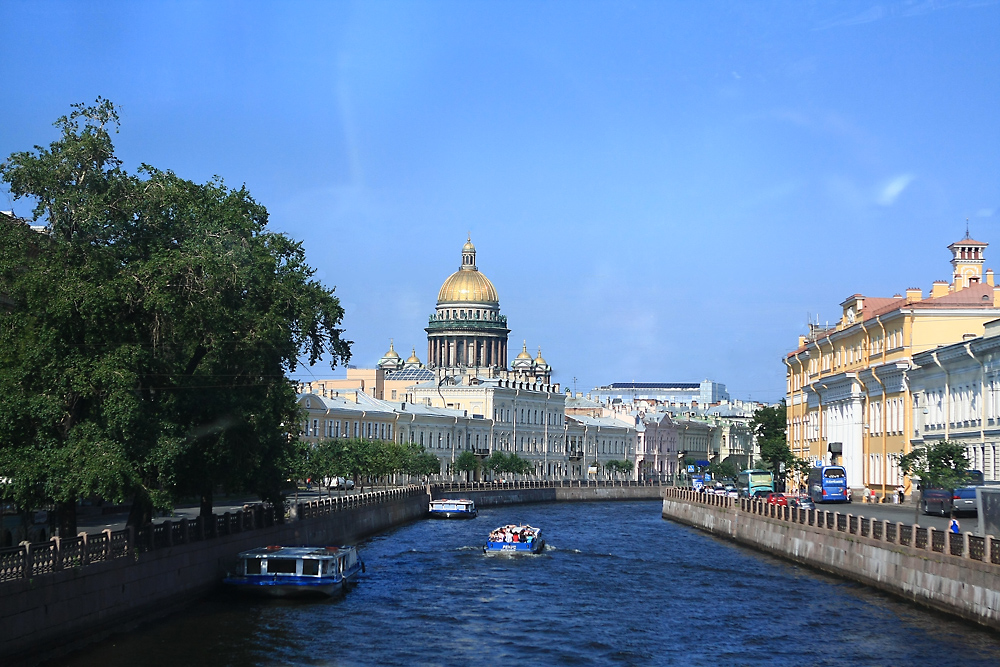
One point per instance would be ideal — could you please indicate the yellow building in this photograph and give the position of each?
(848, 395)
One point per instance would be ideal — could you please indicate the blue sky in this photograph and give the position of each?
(659, 191)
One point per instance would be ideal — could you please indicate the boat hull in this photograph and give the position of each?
(451, 514)
(533, 547)
(272, 586)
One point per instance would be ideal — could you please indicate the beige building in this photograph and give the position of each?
(848, 396)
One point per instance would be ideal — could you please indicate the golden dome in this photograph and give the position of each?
(391, 354)
(468, 285)
(538, 360)
(524, 353)
(413, 357)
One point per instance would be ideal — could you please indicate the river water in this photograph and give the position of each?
(616, 585)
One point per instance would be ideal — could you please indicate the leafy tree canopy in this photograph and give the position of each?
(941, 465)
(769, 425)
(146, 338)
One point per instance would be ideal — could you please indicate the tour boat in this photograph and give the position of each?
(448, 508)
(515, 539)
(296, 571)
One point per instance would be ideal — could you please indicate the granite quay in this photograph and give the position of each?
(956, 573)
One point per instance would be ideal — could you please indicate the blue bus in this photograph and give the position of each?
(828, 484)
(750, 482)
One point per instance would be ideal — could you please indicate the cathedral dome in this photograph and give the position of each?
(468, 285)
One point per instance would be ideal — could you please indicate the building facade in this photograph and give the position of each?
(956, 397)
(702, 393)
(848, 393)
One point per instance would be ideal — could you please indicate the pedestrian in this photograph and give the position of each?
(953, 527)
(901, 492)
(867, 497)
(874, 497)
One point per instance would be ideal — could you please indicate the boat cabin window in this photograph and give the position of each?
(281, 566)
(253, 565)
(310, 567)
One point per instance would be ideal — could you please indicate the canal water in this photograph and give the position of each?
(616, 585)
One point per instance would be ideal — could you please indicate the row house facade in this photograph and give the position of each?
(956, 397)
(849, 399)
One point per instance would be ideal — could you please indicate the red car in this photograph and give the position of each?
(776, 499)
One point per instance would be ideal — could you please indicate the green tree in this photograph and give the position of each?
(723, 470)
(769, 424)
(497, 462)
(467, 462)
(146, 339)
(942, 465)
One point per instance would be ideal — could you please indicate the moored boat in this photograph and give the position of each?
(296, 571)
(515, 539)
(449, 508)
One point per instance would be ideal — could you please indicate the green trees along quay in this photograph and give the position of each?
(147, 333)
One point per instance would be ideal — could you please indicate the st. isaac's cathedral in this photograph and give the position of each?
(465, 398)
(467, 335)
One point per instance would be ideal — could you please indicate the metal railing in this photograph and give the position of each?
(29, 560)
(969, 546)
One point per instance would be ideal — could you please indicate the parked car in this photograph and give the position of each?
(761, 495)
(342, 484)
(777, 499)
(963, 501)
(802, 502)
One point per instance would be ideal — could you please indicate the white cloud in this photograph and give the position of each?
(891, 190)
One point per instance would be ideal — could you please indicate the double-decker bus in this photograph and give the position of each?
(828, 484)
(749, 482)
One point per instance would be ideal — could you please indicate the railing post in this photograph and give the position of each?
(85, 559)
(26, 570)
(930, 538)
(107, 544)
(57, 560)
(168, 528)
(965, 545)
(988, 549)
(130, 544)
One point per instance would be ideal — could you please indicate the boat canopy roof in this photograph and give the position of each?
(295, 552)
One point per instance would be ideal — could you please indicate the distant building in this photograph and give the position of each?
(466, 398)
(703, 393)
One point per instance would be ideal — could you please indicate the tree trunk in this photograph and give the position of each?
(65, 519)
(206, 504)
(141, 513)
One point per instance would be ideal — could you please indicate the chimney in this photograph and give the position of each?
(989, 276)
(939, 289)
(914, 294)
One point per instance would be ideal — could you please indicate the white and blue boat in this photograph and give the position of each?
(285, 572)
(449, 508)
(515, 539)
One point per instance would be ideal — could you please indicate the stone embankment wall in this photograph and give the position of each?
(486, 495)
(72, 604)
(955, 573)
